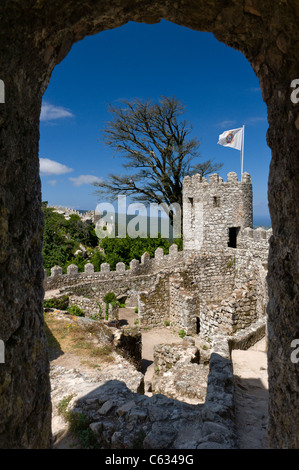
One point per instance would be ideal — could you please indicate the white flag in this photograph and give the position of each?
(232, 138)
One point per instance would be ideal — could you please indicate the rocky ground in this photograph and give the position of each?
(106, 390)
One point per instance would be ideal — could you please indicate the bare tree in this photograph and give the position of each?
(155, 144)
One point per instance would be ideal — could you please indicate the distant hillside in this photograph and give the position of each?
(147, 224)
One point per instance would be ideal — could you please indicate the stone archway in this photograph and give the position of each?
(35, 36)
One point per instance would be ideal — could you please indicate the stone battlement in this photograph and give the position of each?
(232, 177)
(256, 234)
(147, 265)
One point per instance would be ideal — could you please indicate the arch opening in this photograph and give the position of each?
(269, 42)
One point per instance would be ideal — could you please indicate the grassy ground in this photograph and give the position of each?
(86, 340)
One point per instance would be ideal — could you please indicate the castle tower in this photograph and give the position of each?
(214, 211)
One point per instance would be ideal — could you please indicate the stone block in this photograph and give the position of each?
(134, 264)
(246, 178)
(145, 258)
(173, 250)
(72, 269)
(120, 267)
(56, 271)
(247, 232)
(259, 234)
(105, 267)
(214, 178)
(232, 177)
(196, 179)
(159, 253)
(89, 268)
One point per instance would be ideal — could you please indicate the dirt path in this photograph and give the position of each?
(251, 396)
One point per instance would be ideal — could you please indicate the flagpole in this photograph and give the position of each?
(242, 153)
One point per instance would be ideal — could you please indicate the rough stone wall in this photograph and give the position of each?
(212, 275)
(167, 355)
(34, 37)
(183, 306)
(153, 304)
(89, 306)
(211, 208)
(234, 313)
(147, 266)
(256, 241)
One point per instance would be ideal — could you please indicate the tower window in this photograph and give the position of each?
(216, 201)
(232, 236)
(192, 212)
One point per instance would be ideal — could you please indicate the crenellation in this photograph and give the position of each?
(246, 178)
(214, 178)
(105, 267)
(195, 179)
(173, 251)
(232, 177)
(134, 265)
(72, 269)
(89, 268)
(56, 271)
(145, 258)
(159, 254)
(259, 234)
(120, 267)
(247, 232)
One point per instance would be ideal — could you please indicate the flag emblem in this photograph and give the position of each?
(230, 138)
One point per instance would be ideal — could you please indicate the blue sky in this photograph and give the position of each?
(215, 82)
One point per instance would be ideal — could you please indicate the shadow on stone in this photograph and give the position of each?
(145, 363)
(251, 413)
(54, 349)
(111, 416)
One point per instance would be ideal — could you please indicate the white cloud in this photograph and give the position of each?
(85, 179)
(254, 120)
(226, 124)
(50, 167)
(49, 112)
(52, 182)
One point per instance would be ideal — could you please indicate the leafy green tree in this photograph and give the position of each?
(62, 238)
(126, 249)
(81, 231)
